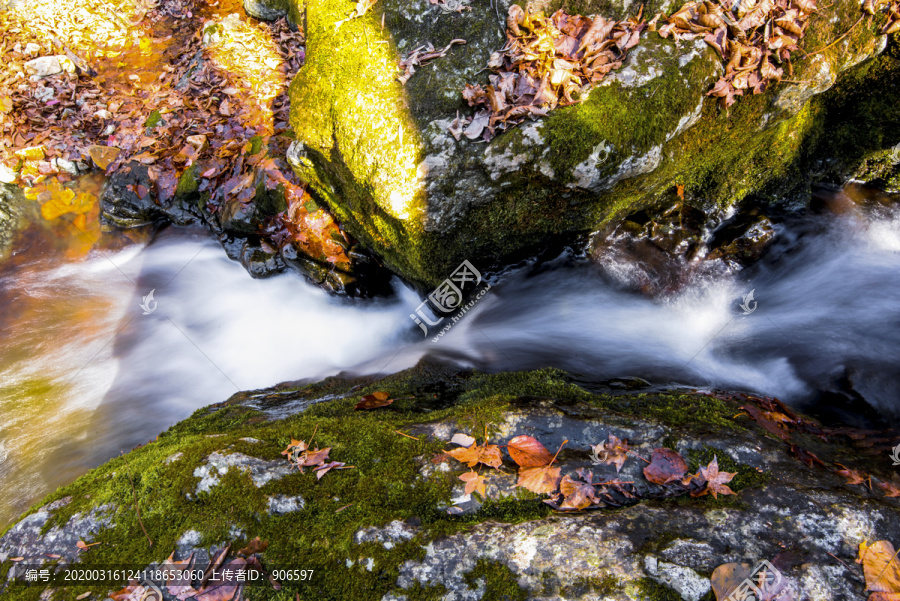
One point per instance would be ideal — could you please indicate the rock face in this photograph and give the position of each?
(380, 154)
(399, 524)
(10, 206)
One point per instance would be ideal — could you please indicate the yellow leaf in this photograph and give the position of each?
(103, 155)
(32, 153)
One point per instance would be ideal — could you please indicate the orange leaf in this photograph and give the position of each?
(374, 400)
(103, 155)
(474, 483)
(539, 480)
(528, 452)
(880, 566)
(488, 454)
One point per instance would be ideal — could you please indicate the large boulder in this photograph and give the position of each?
(380, 154)
(398, 524)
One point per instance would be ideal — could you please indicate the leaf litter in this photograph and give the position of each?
(546, 62)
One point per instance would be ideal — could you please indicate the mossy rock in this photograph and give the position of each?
(379, 153)
(382, 530)
(11, 202)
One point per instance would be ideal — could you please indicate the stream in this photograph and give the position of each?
(90, 367)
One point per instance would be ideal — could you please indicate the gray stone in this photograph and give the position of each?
(44, 66)
(217, 465)
(282, 504)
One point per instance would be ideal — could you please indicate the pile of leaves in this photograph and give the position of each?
(300, 455)
(219, 582)
(581, 489)
(174, 85)
(780, 421)
(546, 62)
(754, 37)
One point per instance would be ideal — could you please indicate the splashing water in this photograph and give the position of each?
(85, 373)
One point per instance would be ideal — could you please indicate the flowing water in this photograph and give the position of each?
(90, 368)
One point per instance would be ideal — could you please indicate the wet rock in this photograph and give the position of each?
(657, 541)
(27, 538)
(217, 465)
(122, 205)
(266, 10)
(424, 201)
(11, 201)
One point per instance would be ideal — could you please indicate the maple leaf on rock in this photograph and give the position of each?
(612, 452)
(488, 454)
(474, 483)
(852, 476)
(578, 494)
(716, 481)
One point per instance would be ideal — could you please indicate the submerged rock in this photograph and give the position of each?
(399, 524)
(381, 155)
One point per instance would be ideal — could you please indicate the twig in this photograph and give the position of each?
(343, 508)
(837, 40)
(846, 565)
(630, 452)
(316, 429)
(79, 62)
(406, 435)
(137, 509)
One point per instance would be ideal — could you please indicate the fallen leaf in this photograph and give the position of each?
(334, 465)
(84, 595)
(374, 400)
(254, 546)
(577, 494)
(665, 466)
(316, 457)
(852, 476)
(880, 567)
(528, 452)
(613, 452)
(715, 480)
(103, 156)
(727, 577)
(890, 489)
(488, 454)
(539, 480)
(474, 483)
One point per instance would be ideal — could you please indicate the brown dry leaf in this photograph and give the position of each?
(880, 566)
(665, 466)
(294, 444)
(679, 190)
(539, 480)
(727, 576)
(103, 156)
(715, 480)
(374, 400)
(577, 494)
(254, 546)
(890, 489)
(528, 452)
(474, 483)
(612, 452)
(334, 465)
(316, 457)
(852, 476)
(488, 454)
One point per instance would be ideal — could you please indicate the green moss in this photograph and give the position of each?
(153, 120)
(647, 589)
(500, 584)
(745, 475)
(706, 412)
(189, 182)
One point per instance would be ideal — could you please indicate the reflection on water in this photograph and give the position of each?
(85, 373)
